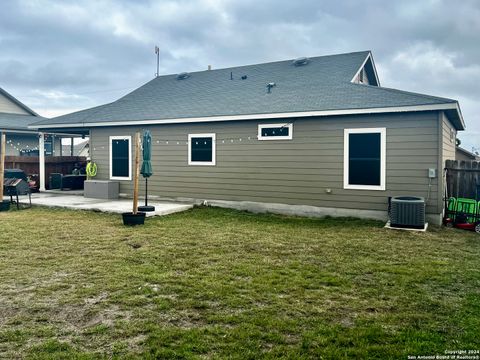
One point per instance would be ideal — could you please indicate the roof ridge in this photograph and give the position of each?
(264, 63)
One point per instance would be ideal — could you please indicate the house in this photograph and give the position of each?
(22, 143)
(463, 154)
(15, 117)
(79, 149)
(314, 136)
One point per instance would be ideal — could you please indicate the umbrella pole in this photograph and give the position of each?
(146, 169)
(146, 191)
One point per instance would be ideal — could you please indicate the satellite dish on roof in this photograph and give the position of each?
(300, 61)
(183, 76)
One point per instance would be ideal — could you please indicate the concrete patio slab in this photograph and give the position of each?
(78, 202)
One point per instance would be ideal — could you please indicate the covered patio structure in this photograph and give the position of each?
(57, 161)
(40, 154)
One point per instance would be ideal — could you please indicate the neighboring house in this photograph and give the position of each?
(79, 149)
(315, 136)
(14, 120)
(462, 154)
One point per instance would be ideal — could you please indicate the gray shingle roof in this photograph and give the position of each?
(17, 121)
(323, 84)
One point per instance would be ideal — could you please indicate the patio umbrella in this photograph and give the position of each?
(146, 170)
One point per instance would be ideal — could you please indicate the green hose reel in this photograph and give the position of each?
(91, 170)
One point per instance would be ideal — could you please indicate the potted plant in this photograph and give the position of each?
(4, 204)
(135, 217)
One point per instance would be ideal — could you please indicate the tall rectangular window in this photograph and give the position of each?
(364, 159)
(201, 149)
(120, 157)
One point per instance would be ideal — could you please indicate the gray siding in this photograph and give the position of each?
(7, 106)
(294, 171)
(447, 150)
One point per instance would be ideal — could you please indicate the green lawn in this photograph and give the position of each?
(213, 283)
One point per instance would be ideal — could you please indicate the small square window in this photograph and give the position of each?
(275, 131)
(201, 149)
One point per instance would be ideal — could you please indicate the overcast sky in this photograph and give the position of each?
(62, 56)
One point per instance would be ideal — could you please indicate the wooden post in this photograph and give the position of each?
(136, 174)
(2, 163)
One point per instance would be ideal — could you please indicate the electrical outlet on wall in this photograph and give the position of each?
(432, 173)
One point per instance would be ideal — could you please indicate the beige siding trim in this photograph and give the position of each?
(9, 107)
(447, 139)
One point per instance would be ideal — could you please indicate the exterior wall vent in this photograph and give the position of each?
(300, 61)
(407, 212)
(183, 75)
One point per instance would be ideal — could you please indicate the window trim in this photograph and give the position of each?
(383, 156)
(122, 137)
(202, 163)
(263, 126)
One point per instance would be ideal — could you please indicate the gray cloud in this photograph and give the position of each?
(62, 56)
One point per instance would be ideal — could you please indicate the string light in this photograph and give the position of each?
(232, 140)
(27, 148)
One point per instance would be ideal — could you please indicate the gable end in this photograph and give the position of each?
(367, 73)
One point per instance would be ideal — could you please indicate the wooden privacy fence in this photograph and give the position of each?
(53, 164)
(463, 178)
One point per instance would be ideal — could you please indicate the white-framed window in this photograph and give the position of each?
(364, 159)
(120, 157)
(201, 149)
(275, 131)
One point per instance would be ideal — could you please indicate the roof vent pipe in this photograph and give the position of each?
(270, 86)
